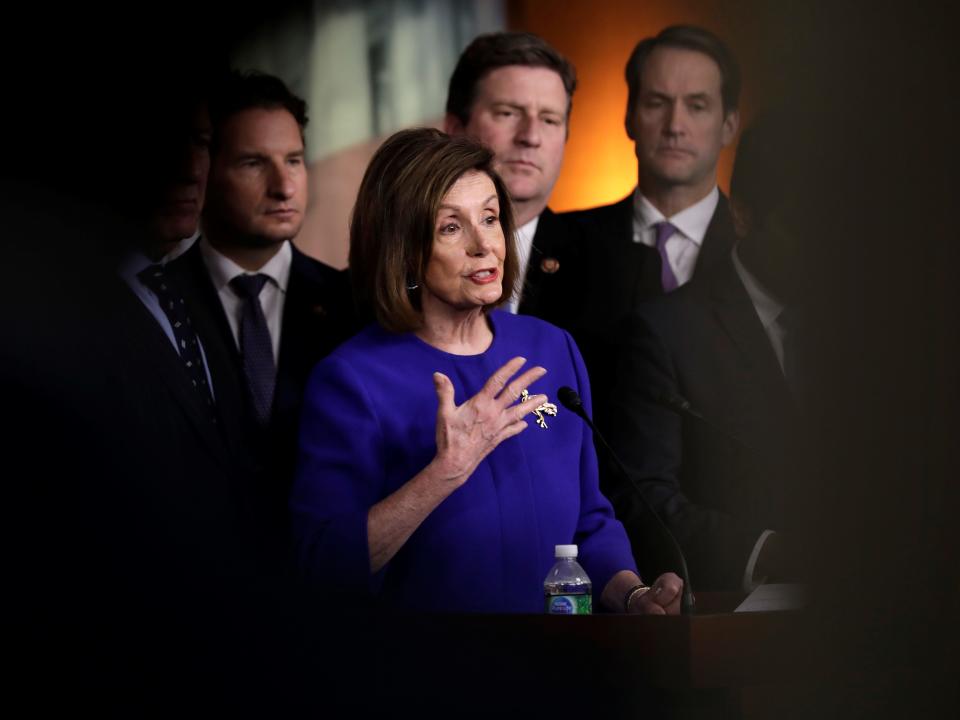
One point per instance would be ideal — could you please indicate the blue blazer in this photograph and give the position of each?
(369, 427)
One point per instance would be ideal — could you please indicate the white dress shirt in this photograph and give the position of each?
(683, 247)
(222, 270)
(524, 241)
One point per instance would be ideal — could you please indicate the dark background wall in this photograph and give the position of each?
(874, 92)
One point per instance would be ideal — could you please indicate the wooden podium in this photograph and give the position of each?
(716, 663)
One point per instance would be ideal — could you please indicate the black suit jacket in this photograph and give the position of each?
(163, 520)
(165, 431)
(617, 274)
(549, 290)
(718, 488)
(317, 316)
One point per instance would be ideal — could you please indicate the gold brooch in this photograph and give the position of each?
(547, 408)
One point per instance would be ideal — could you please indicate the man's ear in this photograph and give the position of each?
(731, 123)
(452, 125)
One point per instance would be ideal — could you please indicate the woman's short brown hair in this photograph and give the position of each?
(392, 229)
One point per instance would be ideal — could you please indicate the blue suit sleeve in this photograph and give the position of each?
(340, 475)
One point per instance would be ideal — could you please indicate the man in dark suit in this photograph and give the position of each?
(161, 518)
(187, 378)
(682, 104)
(727, 345)
(513, 92)
(275, 310)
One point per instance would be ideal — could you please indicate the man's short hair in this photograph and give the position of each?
(496, 50)
(238, 91)
(392, 229)
(686, 37)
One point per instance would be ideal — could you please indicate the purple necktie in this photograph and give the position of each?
(664, 232)
(256, 348)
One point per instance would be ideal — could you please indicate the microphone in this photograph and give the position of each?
(681, 406)
(678, 404)
(570, 399)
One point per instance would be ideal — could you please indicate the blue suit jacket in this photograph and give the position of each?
(369, 427)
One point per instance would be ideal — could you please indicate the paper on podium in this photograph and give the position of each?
(775, 596)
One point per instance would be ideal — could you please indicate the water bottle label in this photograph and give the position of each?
(569, 605)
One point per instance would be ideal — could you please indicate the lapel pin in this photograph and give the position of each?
(549, 265)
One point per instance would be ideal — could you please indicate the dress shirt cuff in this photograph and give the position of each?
(750, 583)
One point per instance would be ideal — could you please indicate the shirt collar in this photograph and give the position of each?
(767, 306)
(692, 222)
(524, 244)
(525, 235)
(180, 248)
(530, 229)
(133, 263)
(223, 269)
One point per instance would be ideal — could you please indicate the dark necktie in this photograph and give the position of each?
(188, 346)
(256, 348)
(667, 279)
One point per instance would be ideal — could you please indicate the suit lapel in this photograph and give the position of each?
(223, 355)
(307, 323)
(539, 249)
(631, 266)
(544, 240)
(293, 333)
(719, 239)
(205, 301)
(144, 332)
(736, 314)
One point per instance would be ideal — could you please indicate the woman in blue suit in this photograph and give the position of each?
(436, 472)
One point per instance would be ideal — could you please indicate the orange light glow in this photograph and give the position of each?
(598, 37)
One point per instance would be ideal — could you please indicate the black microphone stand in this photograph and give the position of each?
(570, 399)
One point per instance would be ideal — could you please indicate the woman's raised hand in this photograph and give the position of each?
(467, 433)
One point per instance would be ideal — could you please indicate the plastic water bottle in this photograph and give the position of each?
(567, 589)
